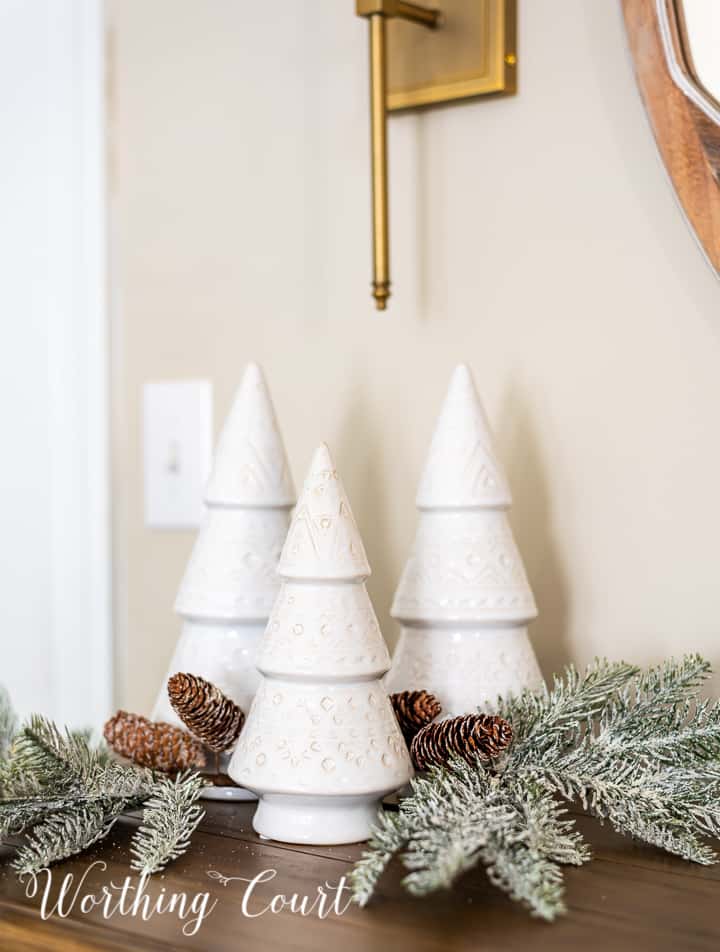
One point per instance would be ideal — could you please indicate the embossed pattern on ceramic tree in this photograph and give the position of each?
(230, 582)
(464, 600)
(321, 744)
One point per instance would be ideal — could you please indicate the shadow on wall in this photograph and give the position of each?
(531, 519)
(533, 524)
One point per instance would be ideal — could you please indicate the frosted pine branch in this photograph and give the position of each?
(636, 749)
(647, 764)
(64, 834)
(459, 817)
(387, 839)
(66, 795)
(170, 817)
(558, 716)
(8, 723)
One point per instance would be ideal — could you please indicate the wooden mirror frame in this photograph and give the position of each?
(684, 117)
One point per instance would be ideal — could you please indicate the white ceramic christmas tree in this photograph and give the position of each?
(321, 745)
(230, 583)
(464, 600)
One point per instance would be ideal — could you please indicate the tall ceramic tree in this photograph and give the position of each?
(230, 582)
(321, 745)
(464, 601)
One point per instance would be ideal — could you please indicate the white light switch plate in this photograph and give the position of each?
(177, 451)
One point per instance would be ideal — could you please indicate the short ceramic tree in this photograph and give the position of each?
(230, 582)
(464, 601)
(321, 745)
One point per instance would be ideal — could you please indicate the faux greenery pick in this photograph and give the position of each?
(636, 749)
(66, 796)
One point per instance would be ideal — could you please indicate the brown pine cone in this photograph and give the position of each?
(413, 710)
(469, 736)
(157, 745)
(207, 713)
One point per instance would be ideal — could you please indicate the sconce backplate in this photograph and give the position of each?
(473, 53)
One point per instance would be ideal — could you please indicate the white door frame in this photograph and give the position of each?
(65, 46)
(82, 610)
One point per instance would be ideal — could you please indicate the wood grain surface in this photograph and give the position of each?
(688, 141)
(629, 897)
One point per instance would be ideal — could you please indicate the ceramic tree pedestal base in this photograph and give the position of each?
(237, 794)
(466, 669)
(323, 821)
(223, 788)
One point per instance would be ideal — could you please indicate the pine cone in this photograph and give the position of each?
(469, 736)
(157, 745)
(413, 710)
(207, 713)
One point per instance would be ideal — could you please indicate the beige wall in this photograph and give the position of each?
(534, 237)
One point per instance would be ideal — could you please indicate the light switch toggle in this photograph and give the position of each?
(177, 451)
(173, 462)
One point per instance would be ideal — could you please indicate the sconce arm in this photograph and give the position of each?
(377, 13)
(425, 16)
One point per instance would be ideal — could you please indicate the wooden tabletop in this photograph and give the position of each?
(629, 897)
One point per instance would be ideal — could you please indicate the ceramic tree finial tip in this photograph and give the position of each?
(462, 376)
(322, 461)
(462, 470)
(253, 372)
(250, 467)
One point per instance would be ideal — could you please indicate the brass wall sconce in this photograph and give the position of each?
(464, 49)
